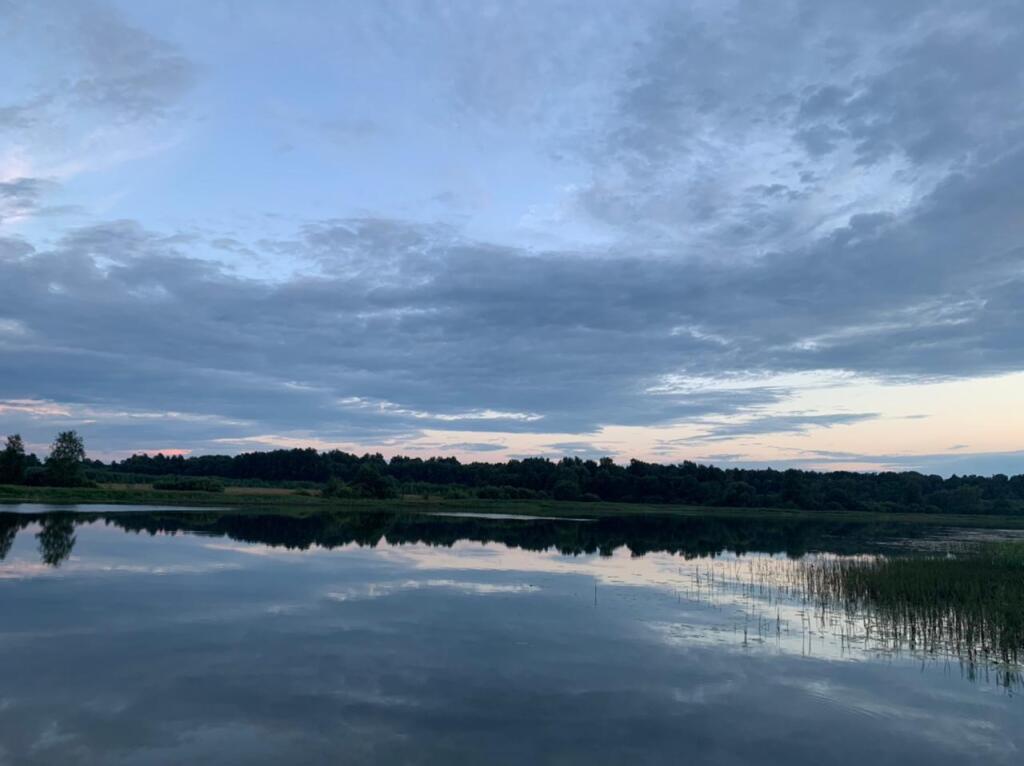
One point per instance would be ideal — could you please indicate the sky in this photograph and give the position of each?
(746, 233)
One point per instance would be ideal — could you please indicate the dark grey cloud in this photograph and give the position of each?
(779, 424)
(941, 97)
(23, 196)
(474, 446)
(14, 247)
(119, 316)
(897, 94)
(580, 449)
(411, 326)
(23, 191)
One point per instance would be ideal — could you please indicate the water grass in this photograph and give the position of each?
(959, 604)
(967, 602)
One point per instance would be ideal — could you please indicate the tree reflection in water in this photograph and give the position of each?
(56, 539)
(857, 596)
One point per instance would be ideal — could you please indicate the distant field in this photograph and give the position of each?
(306, 501)
(275, 491)
(270, 491)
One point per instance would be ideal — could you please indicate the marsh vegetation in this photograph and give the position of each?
(966, 602)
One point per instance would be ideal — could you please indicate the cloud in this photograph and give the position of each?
(83, 88)
(943, 464)
(408, 324)
(742, 194)
(108, 65)
(33, 407)
(20, 197)
(779, 424)
(582, 449)
(375, 347)
(717, 106)
(474, 447)
(127, 73)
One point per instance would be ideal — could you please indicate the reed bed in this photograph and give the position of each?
(967, 602)
(963, 606)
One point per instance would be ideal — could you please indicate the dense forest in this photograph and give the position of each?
(341, 474)
(576, 479)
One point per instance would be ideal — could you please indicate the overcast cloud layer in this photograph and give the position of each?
(226, 226)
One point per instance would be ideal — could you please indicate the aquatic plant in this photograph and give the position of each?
(967, 602)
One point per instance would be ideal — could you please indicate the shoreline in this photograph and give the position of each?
(294, 503)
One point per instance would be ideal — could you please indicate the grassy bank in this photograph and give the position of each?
(303, 501)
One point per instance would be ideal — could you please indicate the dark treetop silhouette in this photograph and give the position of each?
(344, 474)
(576, 479)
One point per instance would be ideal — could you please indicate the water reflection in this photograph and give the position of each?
(375, 638)
(56, 539)
(8, 529)
(687, 536)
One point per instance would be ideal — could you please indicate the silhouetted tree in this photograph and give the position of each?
(566, 489)
(13, 461)
(64, 465)
(370, 482)
(338, 489)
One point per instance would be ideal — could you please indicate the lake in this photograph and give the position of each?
(163, 636)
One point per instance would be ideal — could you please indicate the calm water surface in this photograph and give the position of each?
(167, 637)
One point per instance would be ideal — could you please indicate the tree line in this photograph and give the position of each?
(343, 474)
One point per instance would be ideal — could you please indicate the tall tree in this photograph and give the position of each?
(64, 465)
(13, 461)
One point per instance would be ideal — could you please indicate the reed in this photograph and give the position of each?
(968, 602)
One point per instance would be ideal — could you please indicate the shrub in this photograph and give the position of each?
(566, 490)
(336, 488)
(370, 482)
